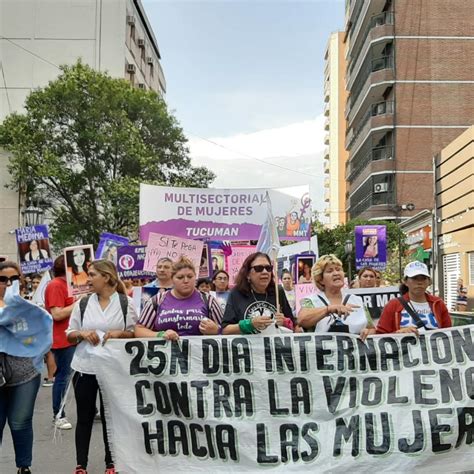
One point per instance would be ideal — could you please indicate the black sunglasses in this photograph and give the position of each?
(5, 279)
(260, 268)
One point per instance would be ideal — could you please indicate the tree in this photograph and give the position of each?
(333, 241)
(85, 144)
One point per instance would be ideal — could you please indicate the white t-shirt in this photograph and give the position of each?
(356, 321)
(102, 321)
(424, 312)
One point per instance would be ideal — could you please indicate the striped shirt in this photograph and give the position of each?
(165, 311)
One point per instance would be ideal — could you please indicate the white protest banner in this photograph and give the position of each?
(235, 260)
(291, 403)
(303, 290)
(223, 214)
(160, 246)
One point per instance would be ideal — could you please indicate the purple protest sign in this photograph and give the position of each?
(130, 261)
(108, 245)
(371, 246)
(33, 249)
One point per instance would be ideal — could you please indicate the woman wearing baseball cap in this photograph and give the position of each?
(416, 310)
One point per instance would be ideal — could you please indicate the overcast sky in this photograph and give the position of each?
(245, 80)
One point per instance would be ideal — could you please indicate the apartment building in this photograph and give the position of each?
(454, 217)
(37, 36)
(335, 154)
(410, 79)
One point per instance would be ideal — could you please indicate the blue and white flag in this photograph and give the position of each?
(26, 330)
(268, 242)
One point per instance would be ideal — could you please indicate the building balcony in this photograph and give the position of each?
(326, 166)
(371, 85)
(379, 156)
(326, 109)
(327, 195)
(359, 22)
(327, 212)
(326, 123)
(380, 29)
(378, 115)
(326, 139)
(326, 153)
(327, 182)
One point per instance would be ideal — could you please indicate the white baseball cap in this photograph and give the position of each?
(416, 268)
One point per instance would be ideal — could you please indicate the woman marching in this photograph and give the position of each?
(108, 312)
(252, 306)
(220, 287)
(332, 310)
(181, 311)
(19, 376)
(416, 310)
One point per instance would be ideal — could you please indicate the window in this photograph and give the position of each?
(470, 264)
(451, 272)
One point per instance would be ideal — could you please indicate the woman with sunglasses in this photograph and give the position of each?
(252, 305)
(19, 378)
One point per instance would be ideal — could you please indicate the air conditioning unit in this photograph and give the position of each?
(141, 43)
(141, 85)
(130, 19)
(131, 68)
(380, 187)
(149, 60)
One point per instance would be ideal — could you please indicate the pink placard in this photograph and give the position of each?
(235, 259)
(160, 245)
(303, 290)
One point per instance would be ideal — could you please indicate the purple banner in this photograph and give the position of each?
(130, 260)
(371, 246)
(108, 245)
(33, 249)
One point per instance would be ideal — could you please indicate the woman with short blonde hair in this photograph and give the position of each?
(332, 310)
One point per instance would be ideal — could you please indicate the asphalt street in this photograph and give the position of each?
(53, 456)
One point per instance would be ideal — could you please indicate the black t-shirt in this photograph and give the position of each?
(240, 306)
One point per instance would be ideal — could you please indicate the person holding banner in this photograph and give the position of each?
(106, 314)
(253, 305)
(332, 310)
(416, 310)
(181, 311)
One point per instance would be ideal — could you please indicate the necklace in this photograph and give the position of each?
(254, 297)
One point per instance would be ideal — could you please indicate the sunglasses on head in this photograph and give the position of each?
(4, 279)
(260, 268)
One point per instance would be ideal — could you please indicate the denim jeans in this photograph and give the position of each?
(63, 358)
(16, 405)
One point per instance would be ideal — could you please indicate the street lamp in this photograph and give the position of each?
(32, 215)
(348, 249)
(398, 209)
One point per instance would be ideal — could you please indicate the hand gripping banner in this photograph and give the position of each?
(291, 403)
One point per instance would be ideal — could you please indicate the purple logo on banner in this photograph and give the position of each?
(371, 246)
(130, 260)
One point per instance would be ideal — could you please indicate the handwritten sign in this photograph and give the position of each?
(160, 246)
(236, 259)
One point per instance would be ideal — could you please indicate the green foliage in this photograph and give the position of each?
(85, 144)
(333, 241)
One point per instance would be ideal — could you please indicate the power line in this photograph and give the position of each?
(30, 52)
(6, 88)
(254, 158)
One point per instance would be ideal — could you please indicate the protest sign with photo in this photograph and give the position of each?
(218, 261)
(33, 249)
(205, 264)
(371, 246)
(160, 246)
(290, 403)
(223, 214)
(304, 264)
(130, 262)
(108, 246)
(77, 260)
(302, 291)
(235, 260)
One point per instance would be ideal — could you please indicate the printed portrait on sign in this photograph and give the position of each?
(303, 269)
(78, 260)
